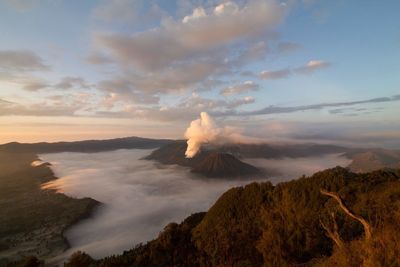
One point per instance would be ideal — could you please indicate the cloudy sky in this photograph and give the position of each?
(308, 70)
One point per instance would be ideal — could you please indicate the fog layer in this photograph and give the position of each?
(286, 169)
(140, 197)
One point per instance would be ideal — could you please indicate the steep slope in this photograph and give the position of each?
(224, 165)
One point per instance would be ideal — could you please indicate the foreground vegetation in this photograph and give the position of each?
(32, 221)
(333, 218)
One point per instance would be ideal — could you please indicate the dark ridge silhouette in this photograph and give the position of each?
(363, 159)
(174, 152)
(86, 146)
(224, 165)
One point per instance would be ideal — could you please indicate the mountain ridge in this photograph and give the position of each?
(88, 146)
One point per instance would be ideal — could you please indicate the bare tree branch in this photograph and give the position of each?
(334, 235)
(366, 225)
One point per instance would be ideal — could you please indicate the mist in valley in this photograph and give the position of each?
(286, 169)
(140, 197)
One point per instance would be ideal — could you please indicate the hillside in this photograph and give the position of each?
(32, 221)
(374, 159)
(290, 224)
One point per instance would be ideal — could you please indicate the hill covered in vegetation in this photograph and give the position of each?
(333, 218)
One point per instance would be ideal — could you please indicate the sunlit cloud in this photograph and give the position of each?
(244, 87)
(309, 68)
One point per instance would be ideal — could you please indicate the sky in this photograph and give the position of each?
(303, 70)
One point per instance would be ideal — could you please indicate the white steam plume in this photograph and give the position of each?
(204, 130)
(200, 131)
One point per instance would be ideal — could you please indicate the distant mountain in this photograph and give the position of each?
(374, 159)
(174, 152)
(363, 159)
(282, 150)
(208, 162)
(225, 165)
(86, 146)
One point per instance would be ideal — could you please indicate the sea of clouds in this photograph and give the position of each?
(140, 197)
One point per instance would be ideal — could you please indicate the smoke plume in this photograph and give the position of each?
(200, 131)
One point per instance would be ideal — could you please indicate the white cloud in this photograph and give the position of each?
(184, 110)
(120, 90)
(37, 109)
(255, 52)
(70, 82)
(309, 68)
(197, 13)
(176, 41)
(227, 8)
(312, 66)
(241, 101)
(35, 85)
(192, 53)
(73, 104)
(277, 74)
(240, 88)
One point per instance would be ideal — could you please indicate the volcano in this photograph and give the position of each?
(224, 165)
